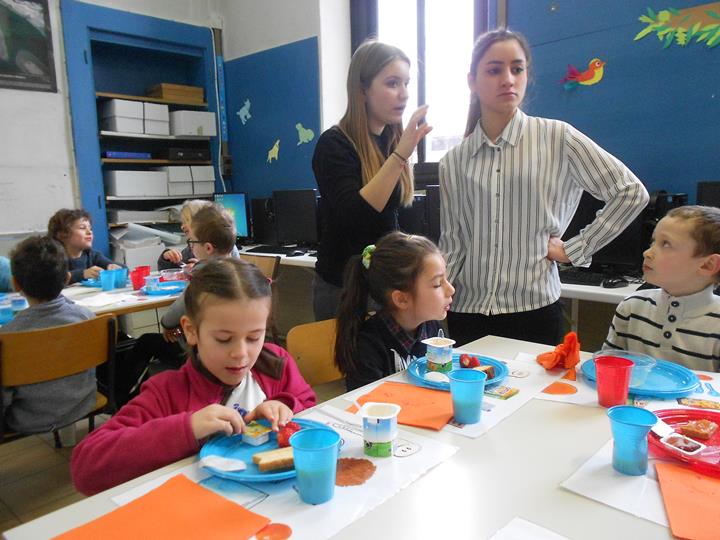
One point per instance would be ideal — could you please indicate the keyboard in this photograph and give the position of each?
(279, 250)
(581, 276)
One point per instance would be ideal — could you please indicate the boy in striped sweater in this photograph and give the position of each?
(679, 321)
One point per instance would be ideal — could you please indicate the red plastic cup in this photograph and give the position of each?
(613, 380)
(143, 270)
(138, 279)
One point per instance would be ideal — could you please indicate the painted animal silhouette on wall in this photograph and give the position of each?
(244, 112)
(274, 151)
(305, 135)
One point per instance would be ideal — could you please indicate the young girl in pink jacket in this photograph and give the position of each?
(231, 378)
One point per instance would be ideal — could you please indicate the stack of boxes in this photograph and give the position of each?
(126, 116)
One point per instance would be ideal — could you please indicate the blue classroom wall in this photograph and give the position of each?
(283, 87)
(656, 109)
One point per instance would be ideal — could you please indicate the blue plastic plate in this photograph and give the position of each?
(167, 287)
(417, 368)
(91, 283)
(667, 380)
(233, 447)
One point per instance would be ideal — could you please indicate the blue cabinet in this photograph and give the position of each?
(111, 52)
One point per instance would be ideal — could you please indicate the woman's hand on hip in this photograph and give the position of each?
(413, 133)
(556, 250)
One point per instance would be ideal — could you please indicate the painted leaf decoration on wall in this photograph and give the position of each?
(682, 26)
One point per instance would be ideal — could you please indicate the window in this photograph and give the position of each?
(442, 42)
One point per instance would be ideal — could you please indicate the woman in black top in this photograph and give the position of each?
(361, 166)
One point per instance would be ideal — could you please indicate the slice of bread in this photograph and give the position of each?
(488, 369)
(699, 429)
(272, 460)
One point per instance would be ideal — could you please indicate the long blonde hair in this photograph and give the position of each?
(369, 59)
(482, 44)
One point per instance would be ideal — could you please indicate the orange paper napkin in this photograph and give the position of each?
(691, 501)
(421, 407)
(565, 355)
(177, 509)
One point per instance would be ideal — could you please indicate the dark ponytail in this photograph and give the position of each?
(351, 313)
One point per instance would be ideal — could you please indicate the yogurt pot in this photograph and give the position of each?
(379, 428)
(439, 354)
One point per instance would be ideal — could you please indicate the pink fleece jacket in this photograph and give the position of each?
(153, 430)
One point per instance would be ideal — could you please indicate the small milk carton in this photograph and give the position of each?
(379, 428)
(439, 354)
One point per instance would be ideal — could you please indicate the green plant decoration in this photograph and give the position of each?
(701, 23)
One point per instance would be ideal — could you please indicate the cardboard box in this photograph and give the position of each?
(122, 107)
(202, 173)
(203, 188)
(125, 216)
(156, 119)
(178, 174)
(122, 124)
(138, 256)
(180, 188)
(136, 183)
(178, 92)
(192, 123)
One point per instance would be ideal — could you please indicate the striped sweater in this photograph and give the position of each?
(682, 329)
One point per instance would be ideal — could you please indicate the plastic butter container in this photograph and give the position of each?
(256, 434)
(681, 443)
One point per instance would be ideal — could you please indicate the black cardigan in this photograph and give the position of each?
(376, 349)
(348, 222)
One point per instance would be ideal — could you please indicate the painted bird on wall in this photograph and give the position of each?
(592, 75)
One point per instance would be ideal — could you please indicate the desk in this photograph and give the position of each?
(513, 470)
(594, 294)
(140, 301)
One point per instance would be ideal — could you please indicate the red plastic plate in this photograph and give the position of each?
(707, 461)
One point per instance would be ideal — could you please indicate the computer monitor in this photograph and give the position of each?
(708, 193)
(432, 212)
(623, 255)
(296, 216)
(236, 205)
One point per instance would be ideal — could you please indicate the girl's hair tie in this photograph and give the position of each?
(367, 255)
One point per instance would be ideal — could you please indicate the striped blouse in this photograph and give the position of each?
(682, 329)
(501, 203)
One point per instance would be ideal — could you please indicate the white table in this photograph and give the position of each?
(139, 302)
(513, 470)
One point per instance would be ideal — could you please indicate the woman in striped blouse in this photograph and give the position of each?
(508, 192)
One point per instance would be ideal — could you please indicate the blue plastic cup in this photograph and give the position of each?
(315, 453)
(467, 387)
(6, 314)
(121, 277)
(18, 304)
(107, 280)
(630, 427)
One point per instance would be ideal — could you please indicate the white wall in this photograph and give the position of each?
(37, 166)
(250, 26)
(334, 59)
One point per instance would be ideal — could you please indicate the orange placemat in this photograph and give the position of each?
(177, 509)
(421, 407)
(691, 501)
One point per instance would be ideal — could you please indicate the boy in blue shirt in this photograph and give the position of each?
(39, 269)
(73, 230)
(679, 321)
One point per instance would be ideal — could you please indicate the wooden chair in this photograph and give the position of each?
(270, 267)
(313, 347)
(47, 354)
